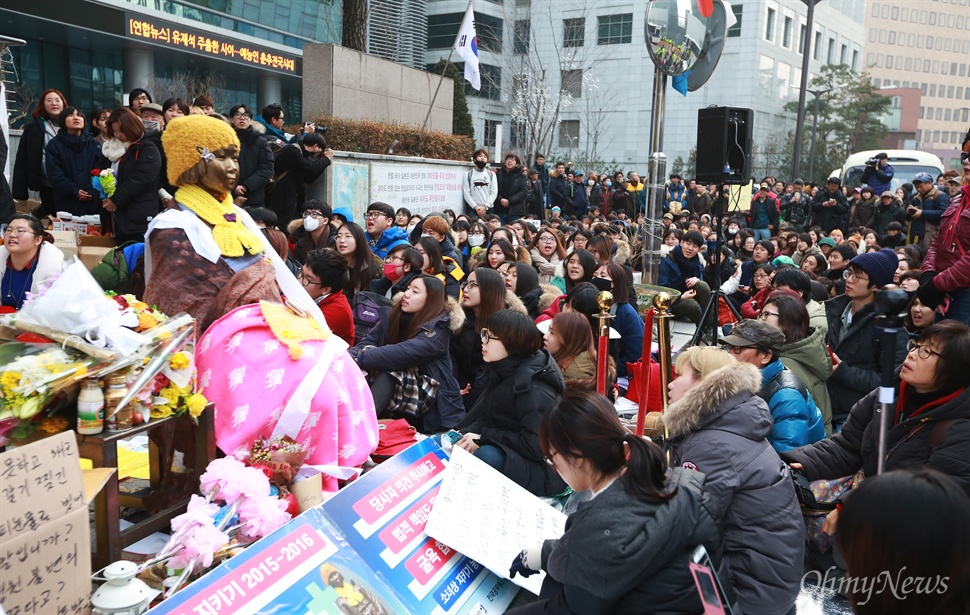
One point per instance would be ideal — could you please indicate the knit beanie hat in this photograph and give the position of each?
(879, 266)
(187, 140)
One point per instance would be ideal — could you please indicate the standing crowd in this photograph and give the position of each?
(484, 322)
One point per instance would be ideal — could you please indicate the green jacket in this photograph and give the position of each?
(809, 359)
(112, 272)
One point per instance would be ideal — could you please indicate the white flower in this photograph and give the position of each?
(234, 342)
(312, 420)
(347, 450)
(236, 377)
(239, 415)
(309, 351)
(356, 417)
(271, 346)
(204, 346)
(204, 380)
(275, 378)
(337, 366)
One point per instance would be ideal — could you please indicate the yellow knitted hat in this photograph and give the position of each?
(185, 138)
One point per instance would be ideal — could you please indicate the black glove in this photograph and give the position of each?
(929, 295)
(519, 566)
(926, 275)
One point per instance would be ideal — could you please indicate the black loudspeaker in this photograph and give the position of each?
(724, 145)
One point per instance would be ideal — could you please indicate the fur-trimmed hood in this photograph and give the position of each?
(258, 128)
(477, 259)
(549, 294)
(623, 251)
(512, 302)
(452, 311)
(726, 400)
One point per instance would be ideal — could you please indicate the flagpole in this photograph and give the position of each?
(444, 68)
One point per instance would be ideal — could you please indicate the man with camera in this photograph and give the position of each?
(830, 205)
(924, 210)
(878, 173)
(297, 165)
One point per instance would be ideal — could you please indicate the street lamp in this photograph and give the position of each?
(806, 53)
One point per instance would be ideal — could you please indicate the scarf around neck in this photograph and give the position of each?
(234, 239)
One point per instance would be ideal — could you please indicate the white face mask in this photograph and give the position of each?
(476, 240)
(592, 181)
(311, 224)
(410, 228)
(425, 235)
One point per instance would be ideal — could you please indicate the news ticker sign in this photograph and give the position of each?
(175, 36)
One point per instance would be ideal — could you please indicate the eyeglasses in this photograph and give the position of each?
(466, 285)
(848, 275)
(375, 214)
(141, 97)
(761, 276)
(393, 259)
(313, 214)
(765, 314)
(547, 239)
(487, 336)
(307, 281)
(240, 116)
(17, 232)
(922, 351)
(731, 348)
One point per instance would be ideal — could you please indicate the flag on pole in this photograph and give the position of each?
(466, 44)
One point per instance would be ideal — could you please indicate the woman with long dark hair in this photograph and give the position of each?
(70, 157)
(571, 343)
(522, 383)
(442, 267)
(137, 166)
(578, 267)
(407, 359)
(499, 251)
(804, 351)
(626, 320)
(351, 242)
(627, 549)
(483, 294)
(29, 170)
(523, 280)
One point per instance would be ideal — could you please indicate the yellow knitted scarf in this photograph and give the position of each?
(232, 237)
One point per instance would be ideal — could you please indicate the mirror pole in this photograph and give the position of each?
(657, 171)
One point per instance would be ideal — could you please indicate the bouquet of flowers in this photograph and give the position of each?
(171, 390)
(30, 374)
(148, 315)
(104, 182)
(238, 507)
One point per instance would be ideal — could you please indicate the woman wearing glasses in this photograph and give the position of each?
(930, 425)
(407, 358)
(804, 351)
(523, 383)
(26, 260)
(255, 158)
(442, 267)
(402, 264)
(483, 294)
(627, 549)
(547, 253)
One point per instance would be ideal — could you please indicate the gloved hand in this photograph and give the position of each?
(929, 295)
(526, 563)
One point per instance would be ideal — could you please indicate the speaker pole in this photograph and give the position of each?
(656, 175)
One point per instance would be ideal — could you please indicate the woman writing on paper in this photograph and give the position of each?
(626, 550)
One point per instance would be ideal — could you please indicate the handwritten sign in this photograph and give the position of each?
(177, 36)
(486, 516)
(422, 188)
(45, 544)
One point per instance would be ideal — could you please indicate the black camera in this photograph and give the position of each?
(872, 162)
(911, 211)
(803, 491)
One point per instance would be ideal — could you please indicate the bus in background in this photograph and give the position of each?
(905, 163)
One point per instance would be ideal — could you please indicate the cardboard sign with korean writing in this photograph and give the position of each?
(45, 544)
(383, 516)
(422, 188)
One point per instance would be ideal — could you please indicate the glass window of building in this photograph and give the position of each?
(573, 32)
(521, 37)
(786, 33)
(569, 134)
(735, 30)
(572, 82)
(770, 25)
(614, 29)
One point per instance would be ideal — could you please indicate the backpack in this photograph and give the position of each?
(366, 307)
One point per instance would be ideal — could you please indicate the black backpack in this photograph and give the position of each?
(367, 307)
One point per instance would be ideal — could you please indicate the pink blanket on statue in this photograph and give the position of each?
(249, 376)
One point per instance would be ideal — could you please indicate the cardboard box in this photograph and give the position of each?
(66, 241)
(45, 536)
(92, 248)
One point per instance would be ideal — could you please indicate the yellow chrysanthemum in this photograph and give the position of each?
(160, 412)
(171, 395)
(196, 404)
(179, 361)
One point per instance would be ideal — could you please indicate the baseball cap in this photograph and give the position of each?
(577, 173)
(668, 216)
(826, 241)
(918, 179)
(887, 193)
(755, 333)
(953, 180)
(157, 108)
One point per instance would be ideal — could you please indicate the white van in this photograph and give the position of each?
(906, 164)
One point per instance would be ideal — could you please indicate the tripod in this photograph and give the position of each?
(705, 330)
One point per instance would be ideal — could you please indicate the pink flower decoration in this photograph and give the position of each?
(261, 517)
(245, 483)
(218, 473)
(200, 545)
(199, 513)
